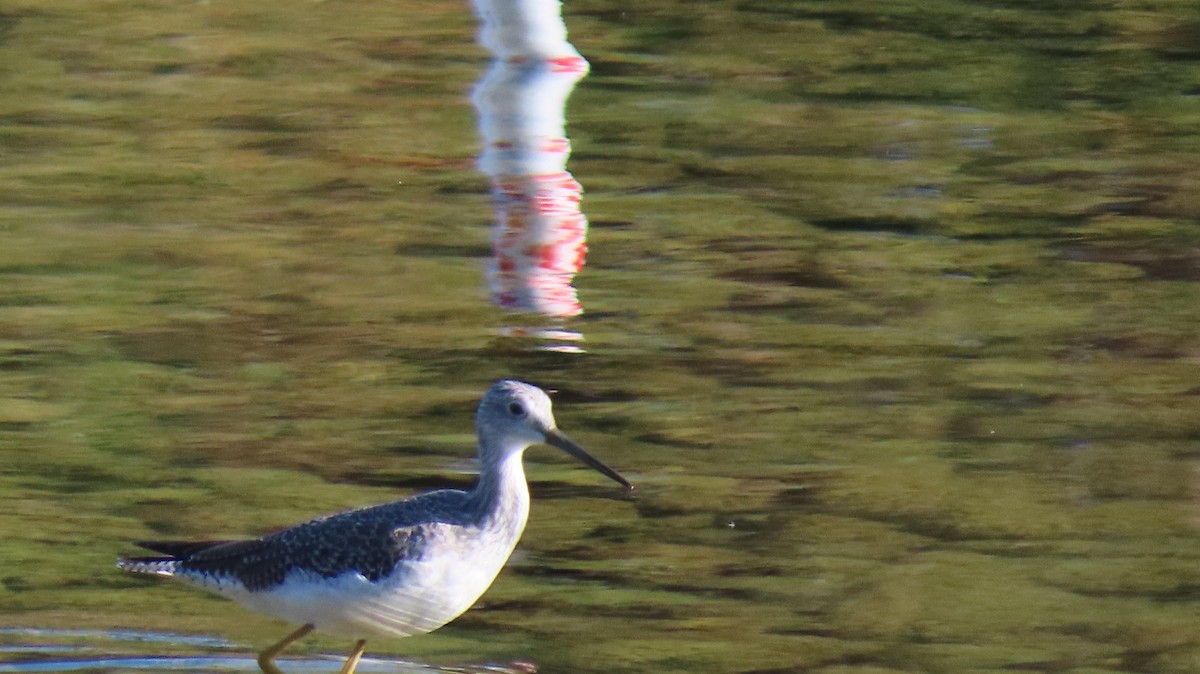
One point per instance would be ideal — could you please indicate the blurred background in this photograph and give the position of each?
(890, 310)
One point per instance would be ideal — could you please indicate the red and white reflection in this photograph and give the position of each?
(540, 236)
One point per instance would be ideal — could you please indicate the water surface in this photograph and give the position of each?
(890, 312)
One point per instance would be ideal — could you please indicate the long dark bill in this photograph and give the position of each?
(558, 439)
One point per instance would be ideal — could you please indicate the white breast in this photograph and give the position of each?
(419, 596)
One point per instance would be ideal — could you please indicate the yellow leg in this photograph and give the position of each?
(266, 659)
(355, 656)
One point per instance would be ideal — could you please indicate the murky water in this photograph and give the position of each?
(890, 311)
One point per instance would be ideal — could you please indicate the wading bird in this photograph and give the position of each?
(396, 569)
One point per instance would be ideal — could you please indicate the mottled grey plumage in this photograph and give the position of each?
(370, 541)
(401, 568)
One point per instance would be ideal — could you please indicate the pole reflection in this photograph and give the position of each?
(539, 239)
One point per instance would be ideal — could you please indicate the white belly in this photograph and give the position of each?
(419, 596)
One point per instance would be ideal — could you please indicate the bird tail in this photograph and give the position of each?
(167, 563)
(154, 566)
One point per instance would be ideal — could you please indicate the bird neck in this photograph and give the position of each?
(501, 495)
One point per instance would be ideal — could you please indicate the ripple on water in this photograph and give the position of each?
(70, 659)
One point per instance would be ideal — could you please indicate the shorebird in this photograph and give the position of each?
(395, 569)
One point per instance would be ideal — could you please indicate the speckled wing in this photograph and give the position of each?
(369, 543)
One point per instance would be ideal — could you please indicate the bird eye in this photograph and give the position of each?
(516, 409)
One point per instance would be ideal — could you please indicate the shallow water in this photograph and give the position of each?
(56, 656)
(890, 311)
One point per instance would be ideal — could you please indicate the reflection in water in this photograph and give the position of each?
(69, 659)
(209, 663)
(115, 635)
(540, 237)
